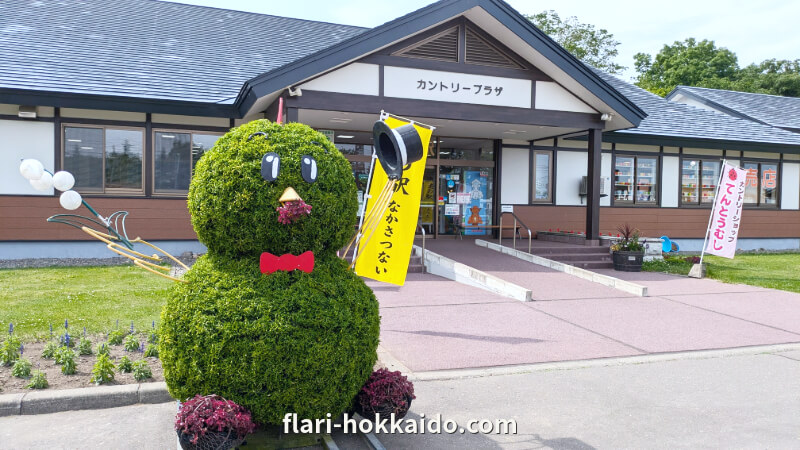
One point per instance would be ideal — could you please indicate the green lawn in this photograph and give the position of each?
(771, 270)
(91, 297)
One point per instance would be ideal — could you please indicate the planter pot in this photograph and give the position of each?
(385, 410)
(213, 440)
(628, 261)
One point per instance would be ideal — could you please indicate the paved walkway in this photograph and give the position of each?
(722, 402)
(436, 324)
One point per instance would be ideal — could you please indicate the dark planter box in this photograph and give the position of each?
(628, 261)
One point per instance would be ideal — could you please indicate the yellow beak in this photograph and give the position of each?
(289, 195)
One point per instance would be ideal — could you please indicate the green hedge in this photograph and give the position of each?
(283, 343)
(234, 210)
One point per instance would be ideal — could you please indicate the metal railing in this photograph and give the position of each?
(421, 228)
(516, 231)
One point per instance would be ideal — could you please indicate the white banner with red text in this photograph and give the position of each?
(727, 213)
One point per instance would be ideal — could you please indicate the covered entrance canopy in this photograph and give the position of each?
(475, 69)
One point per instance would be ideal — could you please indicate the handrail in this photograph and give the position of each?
(516, 219)
(421, 228)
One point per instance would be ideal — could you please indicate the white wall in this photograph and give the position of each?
(790, 186)
(552, 96)
(20, 140)
(571, 166)
(515, 176)
(670, 178)
(357, 78)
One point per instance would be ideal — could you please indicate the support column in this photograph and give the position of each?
(593, 187)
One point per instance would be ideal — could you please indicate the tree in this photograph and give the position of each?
(771, 76)
(688, 63)
(596, 47)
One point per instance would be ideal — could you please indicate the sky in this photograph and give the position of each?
(754, 30)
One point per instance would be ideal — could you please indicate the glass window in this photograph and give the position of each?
(176, 154)
(124, 159)
(635, 180)
(466, 149)
(83, 157)
(541, 176)
(699, 180)
(761, 187)
(465, 200)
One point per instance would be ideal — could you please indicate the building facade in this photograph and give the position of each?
(129, 101)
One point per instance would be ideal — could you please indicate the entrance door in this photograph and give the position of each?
(465, 200)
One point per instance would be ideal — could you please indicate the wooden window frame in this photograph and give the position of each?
(191, 133)
(656, 180)
(700, 159)
(759, 204)
(104, 190)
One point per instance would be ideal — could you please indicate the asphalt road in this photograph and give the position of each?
(741, 401)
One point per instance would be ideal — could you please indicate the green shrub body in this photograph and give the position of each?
(38, 381)
(50, 349)
(9, 351)
(125, 365)
(285, 342)
(131, 343)
(102, 349)
(141, 371)
(22, 368)
(103, 370)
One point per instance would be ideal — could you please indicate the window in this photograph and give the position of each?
(176, 154)
(104, 158)
(542, 167)
(761, 187)
(699, 180)
(635, 180)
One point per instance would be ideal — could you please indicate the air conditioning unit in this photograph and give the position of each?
(584, 180)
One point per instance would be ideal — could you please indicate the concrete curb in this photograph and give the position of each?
(437, 264)
(605, 280)
(45, 402)
(454, 374)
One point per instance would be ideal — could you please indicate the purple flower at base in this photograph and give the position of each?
(131, 327)
(21, 349)
(11, 328)
(154, 324)
(66, 324)
(141, 347)
(84, 331)
(51, 331)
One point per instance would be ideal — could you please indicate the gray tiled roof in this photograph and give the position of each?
(665, 118)
(770, 109)
(149, 49)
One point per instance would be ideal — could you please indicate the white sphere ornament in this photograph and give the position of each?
(70, 200)
(45, 183)
(31, 169)
(63, 180)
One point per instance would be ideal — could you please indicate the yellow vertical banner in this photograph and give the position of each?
(385, 256)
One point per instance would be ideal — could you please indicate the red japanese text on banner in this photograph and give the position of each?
(727, 213)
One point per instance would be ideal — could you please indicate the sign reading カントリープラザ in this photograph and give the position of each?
(727, 214)
(420, 84)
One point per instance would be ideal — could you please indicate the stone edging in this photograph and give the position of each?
(605, 280)
(45, 402)
(437, 264)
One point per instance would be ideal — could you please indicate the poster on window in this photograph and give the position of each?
(476, 217)
(727, 213)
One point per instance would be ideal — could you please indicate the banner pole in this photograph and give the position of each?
(711, 215)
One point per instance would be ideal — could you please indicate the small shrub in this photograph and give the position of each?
(38, 381)
(385, 392)
(131, 343)
(103, 370)
(692, 259)
(116, 337)
(50, 349)
(141, 371)
(85, 347)
(61, 354)
(200, 415)
(125, 365)
(22, 368)
(68, 365)
(151, 351)
(102, 349)
(9, 351)
(627, 239)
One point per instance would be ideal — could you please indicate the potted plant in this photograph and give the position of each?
(211, 422)
(385, 393)
(627, 251)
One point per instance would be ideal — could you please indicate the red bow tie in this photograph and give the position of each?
(288, 262)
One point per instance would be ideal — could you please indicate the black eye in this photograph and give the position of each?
(270, 166)
(308, 167)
